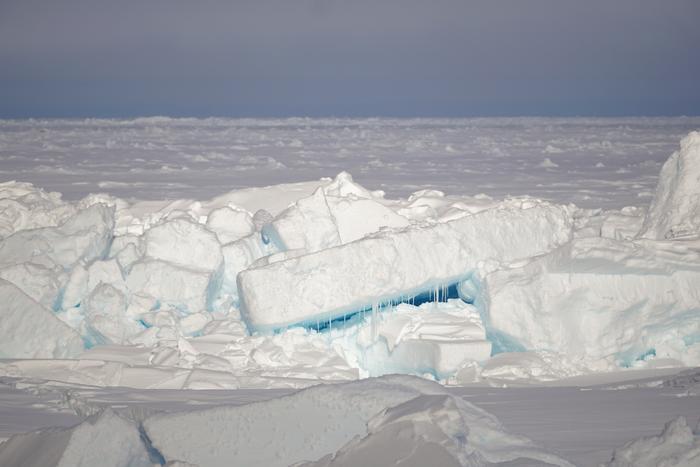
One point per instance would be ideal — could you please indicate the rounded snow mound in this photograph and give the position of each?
(675, 208)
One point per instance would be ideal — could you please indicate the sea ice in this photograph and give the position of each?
(600, 300)
(28, 330)
(104, 439)
(306, 225)
(82, 237)
(328, 284)
(435, 339)
(184, 243)
(409, 418)
(675, 208)
(170, 285)
(230, 224)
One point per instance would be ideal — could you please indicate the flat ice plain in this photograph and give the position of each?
(593, 162)
(534, 282)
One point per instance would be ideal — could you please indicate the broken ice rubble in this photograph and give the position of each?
(327, 280)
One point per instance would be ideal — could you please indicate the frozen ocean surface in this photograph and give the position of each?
(223, 292)
(593, 162)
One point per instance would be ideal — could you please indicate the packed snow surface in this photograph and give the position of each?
(292, 284)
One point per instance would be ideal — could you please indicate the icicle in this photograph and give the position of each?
(374, 321)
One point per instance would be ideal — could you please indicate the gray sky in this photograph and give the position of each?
(349, 58)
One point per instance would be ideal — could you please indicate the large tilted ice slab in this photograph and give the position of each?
(28, 330)
(330, 283)
(604, 301)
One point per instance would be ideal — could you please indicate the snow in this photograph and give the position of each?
(291, 229)
(675, 208)
(603, 301)
(184, 243)
(84, 236)
(495, 156)
(435, 338)
(322, 420)
(167, 284)
(230, 224)
(118, 440)
(327, 281)
(28, 330)
(676, 445)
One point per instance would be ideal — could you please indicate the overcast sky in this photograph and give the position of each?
(349, 57)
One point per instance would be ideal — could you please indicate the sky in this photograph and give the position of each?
(357, 58)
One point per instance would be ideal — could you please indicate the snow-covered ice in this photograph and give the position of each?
(327, 284)
(29, 330)
(293, 284)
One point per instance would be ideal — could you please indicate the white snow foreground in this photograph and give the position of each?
(184, 294)
(377, 421)
(386, 421)
(104, 439)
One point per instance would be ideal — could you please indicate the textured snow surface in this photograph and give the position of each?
(600, 162)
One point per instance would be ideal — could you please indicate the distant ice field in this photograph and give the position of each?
(592, 162)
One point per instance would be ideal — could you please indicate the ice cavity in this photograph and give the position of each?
(675, 208)
(435, 339)
(328, 284)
